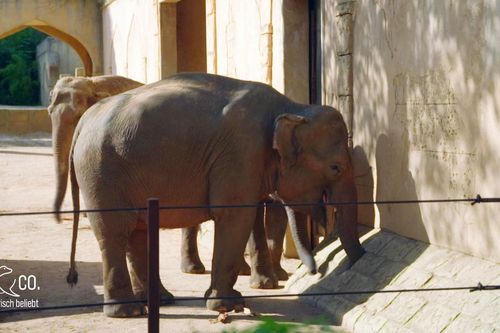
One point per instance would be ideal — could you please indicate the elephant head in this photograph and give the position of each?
(315, 161)
(69, 99)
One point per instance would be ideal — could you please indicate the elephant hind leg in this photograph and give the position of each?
(190, 259)
(113, 230)
(232, 229)
(137, 258)
(117, 284)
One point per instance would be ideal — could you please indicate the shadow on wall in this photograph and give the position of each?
(50, 287)
(426, 108)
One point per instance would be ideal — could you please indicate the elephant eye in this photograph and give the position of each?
(335, 169)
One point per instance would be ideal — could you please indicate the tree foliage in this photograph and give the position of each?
(19, 84)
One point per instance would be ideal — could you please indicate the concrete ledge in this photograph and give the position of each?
(395, 262)
(24, 119)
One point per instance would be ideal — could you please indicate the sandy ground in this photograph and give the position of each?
(36, 245)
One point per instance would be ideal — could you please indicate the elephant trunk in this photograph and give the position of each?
(298, 228)
(344, 191)
(62, 135)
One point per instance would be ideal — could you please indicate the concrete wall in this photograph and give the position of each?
(24, 119)
(131, 35)
(54, 58)
(76, 22)
(264, 41)
(191, 36)
(426, 77)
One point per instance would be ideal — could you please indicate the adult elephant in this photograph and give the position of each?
(69, 99)
(201, 139)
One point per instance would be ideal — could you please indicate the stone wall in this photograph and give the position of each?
(76, 22)
(54, 58)
(24, 119)
(426, 107)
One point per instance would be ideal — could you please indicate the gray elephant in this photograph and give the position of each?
(201, 139)
(69, 99)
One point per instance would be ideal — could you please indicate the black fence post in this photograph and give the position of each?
(153, 266)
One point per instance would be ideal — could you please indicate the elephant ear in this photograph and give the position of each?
(284, 140)
(79, 101)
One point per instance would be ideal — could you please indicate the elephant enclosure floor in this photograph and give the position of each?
(35, 245)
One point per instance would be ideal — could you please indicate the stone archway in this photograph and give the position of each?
(76, 22)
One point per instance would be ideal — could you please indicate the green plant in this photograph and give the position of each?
(19, 83)
(270, 326)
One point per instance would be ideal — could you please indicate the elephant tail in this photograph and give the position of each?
(72, 277)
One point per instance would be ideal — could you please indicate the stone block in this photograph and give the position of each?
(392, 327)
(432, 258)
(368, 264)
(344, 75)
(411, 278)
(344, 105)
(368, 323)
(403, 308)
(346, 7)
(378, 302)
(386, 272)
(491, 311)
(398, 248)
(463, 323)
(337, 306)
(443, 297)
(416, 252)
(344, 36)
(376, 243)
(432, 318)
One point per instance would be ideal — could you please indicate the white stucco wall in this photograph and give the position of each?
(426, 79)
(131, 39)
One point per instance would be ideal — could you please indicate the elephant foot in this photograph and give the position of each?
(266, 280)
(225, 305)
(280, 273)
(124, 310)
(244, 268)
(166, 297)
(192, 266)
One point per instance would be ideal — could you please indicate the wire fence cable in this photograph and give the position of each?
(472, 201)
(478, 287)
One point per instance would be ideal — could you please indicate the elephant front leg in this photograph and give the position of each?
(232, 229)
(262, 275)
(276, 222)
(190, 259)
(117, 284)
(137, 258)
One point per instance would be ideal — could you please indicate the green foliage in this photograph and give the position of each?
(270, 326)
(19, 83)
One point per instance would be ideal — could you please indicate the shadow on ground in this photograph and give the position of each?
(387, 256)
(48, 279)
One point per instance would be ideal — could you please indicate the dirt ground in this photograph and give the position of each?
(36, 246)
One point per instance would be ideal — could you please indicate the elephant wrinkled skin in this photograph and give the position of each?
(201, 139)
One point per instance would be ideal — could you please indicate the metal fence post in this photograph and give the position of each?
(153, 266)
